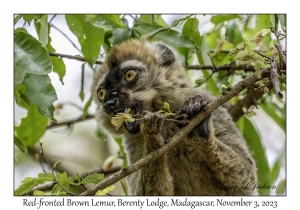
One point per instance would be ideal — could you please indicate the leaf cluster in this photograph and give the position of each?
(29, 183)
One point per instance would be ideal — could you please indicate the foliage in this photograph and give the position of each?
(66, 181)
(243, 40)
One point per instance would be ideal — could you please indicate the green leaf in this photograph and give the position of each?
(29, 183)
(275, 113)
(28, 18)
(279, 163)
(108, 162)
(86, 107)
(160, 21)
(32, 128)
(223, 18)
(30, 56)
(57, 63)
(204, 59)
(233, 33)
(122, 117)
(190, 29)
(64, 180)
(145, 18)
(119, 140)
(81, 95)
(167, 111)
(263, 22)
(41, 93)
(61, 177)
(89, 36)
(100, 133)
(17, 18)
(257, 151)
(20, 30)
(211, 84)
(281, 187)
(56, 164)
(41, 26)
(18, 75)
(150, 35)
(106, 190)
(20, 145)
(59, 67)
(170, 37)
(21, 96)
(93, 178)
(120, 35)
(38, 193)
(105, 21)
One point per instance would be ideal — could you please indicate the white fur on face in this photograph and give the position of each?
(134, 63)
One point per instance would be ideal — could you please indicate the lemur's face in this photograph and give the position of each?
(116, 89)
(132, 77)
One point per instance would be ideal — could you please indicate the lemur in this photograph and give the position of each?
(212, 160)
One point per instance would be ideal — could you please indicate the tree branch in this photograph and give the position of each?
(275, 78)
(281, 55)
(70, 122)
(251, 99)
(76, 57)
(231, 66)
(247, 82)
(74, 45)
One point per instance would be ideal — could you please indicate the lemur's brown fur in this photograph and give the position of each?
(212, 160)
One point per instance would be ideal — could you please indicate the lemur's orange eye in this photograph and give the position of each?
(130, 75)
(101, 93)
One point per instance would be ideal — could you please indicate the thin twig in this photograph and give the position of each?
(266, 57)
(81, 94)
(177, 137)
(70, 122)
(52, 18)
(54, 177)
(74, 45)
(41, 164)
(214, 66)
(221, 51)
(76, 57)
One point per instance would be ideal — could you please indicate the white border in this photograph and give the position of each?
(154, 6)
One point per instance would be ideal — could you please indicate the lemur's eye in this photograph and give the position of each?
(101, 93)
(130, 75)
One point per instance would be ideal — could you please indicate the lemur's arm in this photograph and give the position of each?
(154, 178)
(229, 167)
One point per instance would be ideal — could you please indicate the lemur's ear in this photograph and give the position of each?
(166, 55)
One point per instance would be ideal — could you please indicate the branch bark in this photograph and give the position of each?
(281, 55)
(275, 78)
(177, 137)
(76, 57)
(231, 66)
